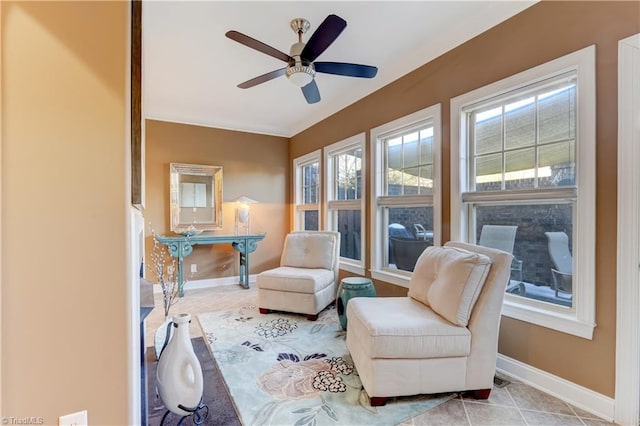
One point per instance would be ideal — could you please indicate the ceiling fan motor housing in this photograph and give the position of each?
(299, 72)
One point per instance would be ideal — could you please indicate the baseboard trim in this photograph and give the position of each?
(208, 283)
(579, 396)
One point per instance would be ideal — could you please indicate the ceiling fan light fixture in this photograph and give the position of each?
(300, 75)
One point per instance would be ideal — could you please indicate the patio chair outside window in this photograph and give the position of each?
(405, 248)
(406, 251)
(421, 233)
(502, 237)
(562, 274)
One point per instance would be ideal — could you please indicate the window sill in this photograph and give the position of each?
(354, 269)
(546, 315)
(398, 279)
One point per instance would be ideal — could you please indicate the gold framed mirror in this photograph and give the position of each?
(196, 198)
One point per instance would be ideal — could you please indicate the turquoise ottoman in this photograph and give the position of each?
(352, 287)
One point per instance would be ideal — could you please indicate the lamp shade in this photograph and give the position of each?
(244, 200)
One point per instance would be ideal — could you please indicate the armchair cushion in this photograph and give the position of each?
(297, 280)
(303, 250)
(450, 281)
(415, 331)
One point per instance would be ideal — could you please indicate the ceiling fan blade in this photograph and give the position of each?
(262, 78)
(258, 45)
(311, 93)
(327, 32)
(350, 70)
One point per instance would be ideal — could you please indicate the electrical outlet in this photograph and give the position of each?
(74, 419)
(194, 268)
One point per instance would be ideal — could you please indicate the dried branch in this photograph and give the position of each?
(166, 270)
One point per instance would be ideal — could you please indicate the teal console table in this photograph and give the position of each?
(182, 246)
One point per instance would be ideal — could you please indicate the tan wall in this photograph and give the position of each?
(254, 165)
(64, 210)
(1, 38)
(541, 33)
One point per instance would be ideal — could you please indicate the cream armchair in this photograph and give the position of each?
(305, 282)
(442, 337)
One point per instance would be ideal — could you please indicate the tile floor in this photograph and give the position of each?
(515, 404)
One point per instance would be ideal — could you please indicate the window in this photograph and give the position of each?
(345, 213)
(525, 183)
(406, 193)
(307, 195)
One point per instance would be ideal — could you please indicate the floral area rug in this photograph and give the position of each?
(282, 369)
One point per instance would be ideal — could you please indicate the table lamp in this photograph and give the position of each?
(243, 214)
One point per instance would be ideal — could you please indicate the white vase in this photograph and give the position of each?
(179, 375)
(160, 338)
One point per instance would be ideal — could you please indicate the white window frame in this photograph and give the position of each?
(299, 206)
(579, 320)
(432, 115)
(330, 152)
(627, 392)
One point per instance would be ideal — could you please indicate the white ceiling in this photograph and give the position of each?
(191, 70)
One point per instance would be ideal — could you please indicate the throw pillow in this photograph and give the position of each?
(424, 274)
(461, 275)
(457, 279)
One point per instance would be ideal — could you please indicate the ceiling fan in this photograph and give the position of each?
(301, 68)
